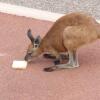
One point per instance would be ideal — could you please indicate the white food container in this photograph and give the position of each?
(17, 64)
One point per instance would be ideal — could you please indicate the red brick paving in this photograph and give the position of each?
(82, 83)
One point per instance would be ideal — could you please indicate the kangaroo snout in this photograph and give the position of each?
(28, 57)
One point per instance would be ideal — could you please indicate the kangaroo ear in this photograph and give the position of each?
(37, 40)
(29, 34)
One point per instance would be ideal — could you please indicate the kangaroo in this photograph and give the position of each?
(67, 34)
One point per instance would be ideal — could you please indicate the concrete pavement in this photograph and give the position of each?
(33, 83)
(61, 6)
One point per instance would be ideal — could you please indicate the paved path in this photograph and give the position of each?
(81, 83)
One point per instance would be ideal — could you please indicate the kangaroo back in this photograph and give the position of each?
(54, 36)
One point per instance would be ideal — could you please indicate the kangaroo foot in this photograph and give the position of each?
(59, 67)
(50, 69)
(66, 66)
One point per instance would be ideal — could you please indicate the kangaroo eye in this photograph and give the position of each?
(35, 45)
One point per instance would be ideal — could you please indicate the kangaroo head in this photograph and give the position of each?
(32, 50)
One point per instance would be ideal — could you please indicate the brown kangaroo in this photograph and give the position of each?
(66, 35)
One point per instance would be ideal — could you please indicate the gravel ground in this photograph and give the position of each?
(61, 6)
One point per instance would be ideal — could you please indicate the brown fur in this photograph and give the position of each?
(69, 33)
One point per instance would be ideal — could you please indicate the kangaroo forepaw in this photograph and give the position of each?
(49, 56)
(56, 62)
(64, 57)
